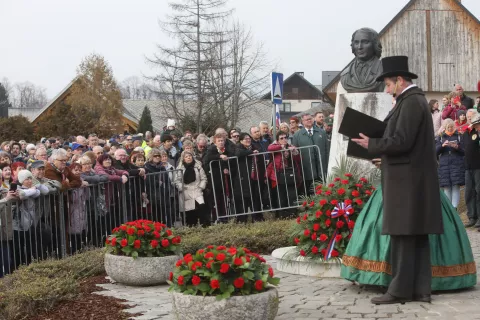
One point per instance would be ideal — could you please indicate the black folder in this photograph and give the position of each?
(355, 122)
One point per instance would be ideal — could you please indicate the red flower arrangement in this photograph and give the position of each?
(143, 238)
(222, 272)
(324, 230)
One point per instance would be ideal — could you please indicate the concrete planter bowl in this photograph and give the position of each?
(260, 306)
(142, 271)
(288, 261)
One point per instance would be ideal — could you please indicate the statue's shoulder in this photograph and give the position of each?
(347, 69)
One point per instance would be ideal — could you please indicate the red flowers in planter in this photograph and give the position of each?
(143, 238)
(222, 272)
(324, 229)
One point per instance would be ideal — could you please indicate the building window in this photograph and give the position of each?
(316, 104)
(286, 107)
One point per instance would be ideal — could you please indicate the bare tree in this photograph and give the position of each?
(28, 95)
(136, 88)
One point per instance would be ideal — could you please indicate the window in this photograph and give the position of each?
(286, 107)
(316, 104)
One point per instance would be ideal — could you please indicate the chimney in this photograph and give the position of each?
(300, 73)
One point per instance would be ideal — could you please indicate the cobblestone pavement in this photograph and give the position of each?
(303, 298)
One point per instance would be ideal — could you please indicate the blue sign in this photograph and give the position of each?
(277, 87)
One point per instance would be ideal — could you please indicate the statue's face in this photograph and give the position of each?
(363, 46)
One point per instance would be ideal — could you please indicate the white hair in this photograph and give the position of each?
(118, 151)
(58, 153)
(202, 137)
(264, 123)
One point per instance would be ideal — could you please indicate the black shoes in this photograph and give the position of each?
(423, 298)
(471, 223)
(387, 298)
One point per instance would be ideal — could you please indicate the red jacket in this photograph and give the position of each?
(280, 161)
(451, 112)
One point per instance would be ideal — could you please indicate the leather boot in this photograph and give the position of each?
(387, 298)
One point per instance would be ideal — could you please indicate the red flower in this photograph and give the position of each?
(305, 217)
(323, 237)
(270, 272)
(312, 204)
(298, 220)
(314, 236)
(220, 256)
(209, 264)
(170, 277)
(114, 241)
(351, 224)
(296, 240)
(196, 280)
(247, 258)
(210, 247)
(344, 181)
(259, 285)
(208, 255)
(214, 284)
(359, 201)
(323, 252)
(328, 213)
(195, 265)
(338, 238)
(238, 261)
(156, 234)
(154, 243)
(336, 179)
(373, 188)
(363, 180)
(328, 222)
(179, 263)
(221, 248)
(124, 242)
(188, 258)
(334, 202)
(180, 280)
(175, 240)
(232, 251)
(318, 214)
(140, 232)
(302, 253)
(169, 232)
(348, 175)
(107, 241)
(348, 202)
(304, 204)
(238, 283)
(341, 191)
(340, 224)
(318, 192)
(351, 211)
(359, 185)
(306, 233)
(323, 202)
(123, 228)
(328, 192)
(334, 253)
(137, 244)
(131, 231)
(314, 250)
(355, 193)
(316, 227)
(165, 243)
(368, 192)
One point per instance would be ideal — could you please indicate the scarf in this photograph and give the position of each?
(189, 173)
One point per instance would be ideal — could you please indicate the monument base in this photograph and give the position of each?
(374, 104)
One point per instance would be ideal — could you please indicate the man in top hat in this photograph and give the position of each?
(411, 196)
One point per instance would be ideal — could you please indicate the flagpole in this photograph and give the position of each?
(274, 121)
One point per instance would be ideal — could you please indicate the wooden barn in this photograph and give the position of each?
(441, 39)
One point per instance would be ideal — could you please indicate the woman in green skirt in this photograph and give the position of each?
(367, 257)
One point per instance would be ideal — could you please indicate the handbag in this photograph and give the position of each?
(286, 176)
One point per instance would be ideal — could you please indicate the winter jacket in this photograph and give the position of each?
(451, 169)
(282, 158)
(451, 112)
(92, 178)
(189, 193)
(115, 177)
(461, 127)
(471, 145)
(157, 183)
(26, 216)
(6, 228)
(437, 121)
(52, 173)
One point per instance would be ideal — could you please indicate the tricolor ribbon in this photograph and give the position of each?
(341, 209)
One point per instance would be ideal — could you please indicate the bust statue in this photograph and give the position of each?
(361, 74)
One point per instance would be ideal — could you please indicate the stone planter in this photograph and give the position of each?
(143, 271)
(260, 306)
(288, 261)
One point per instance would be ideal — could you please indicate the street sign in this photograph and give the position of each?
(277, 87)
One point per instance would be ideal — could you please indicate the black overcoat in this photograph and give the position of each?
(411, 192)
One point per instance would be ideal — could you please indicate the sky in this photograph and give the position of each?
(43, 41)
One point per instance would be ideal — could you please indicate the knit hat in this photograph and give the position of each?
(460, 112)
(170, 123)
(30, 146)
(24, 175)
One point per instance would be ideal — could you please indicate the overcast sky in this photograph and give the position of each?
(43, 41)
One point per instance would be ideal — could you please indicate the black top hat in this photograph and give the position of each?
(395, 66)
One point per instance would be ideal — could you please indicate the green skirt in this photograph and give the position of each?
(367, 258)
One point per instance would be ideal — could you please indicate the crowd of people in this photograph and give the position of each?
(76, 190)
(458, 150)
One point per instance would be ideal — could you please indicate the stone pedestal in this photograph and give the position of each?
(375, 104)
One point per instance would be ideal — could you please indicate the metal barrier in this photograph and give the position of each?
(251, 185)
(62, 223)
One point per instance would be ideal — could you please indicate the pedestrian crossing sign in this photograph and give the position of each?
(277, 87)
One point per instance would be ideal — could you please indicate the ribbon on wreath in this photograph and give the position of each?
(340, 210)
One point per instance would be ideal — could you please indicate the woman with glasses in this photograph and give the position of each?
(234, 135)
(284, 173)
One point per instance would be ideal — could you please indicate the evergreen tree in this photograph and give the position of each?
(4, 102)
(145, 123)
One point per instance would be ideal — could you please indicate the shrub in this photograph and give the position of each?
(262, 237)
(41, 285)
(143, 238)
(324, 230)
(221, 272)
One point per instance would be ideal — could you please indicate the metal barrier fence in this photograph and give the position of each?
(267, 181)
(62, 223)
